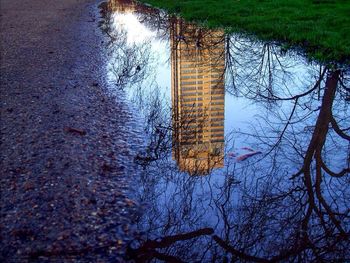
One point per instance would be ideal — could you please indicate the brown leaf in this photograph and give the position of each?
(75, 131)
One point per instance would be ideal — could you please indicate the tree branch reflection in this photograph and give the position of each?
(290, 203)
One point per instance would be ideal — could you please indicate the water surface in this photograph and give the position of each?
(246, 145)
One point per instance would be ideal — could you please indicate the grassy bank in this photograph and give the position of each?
(320, 27)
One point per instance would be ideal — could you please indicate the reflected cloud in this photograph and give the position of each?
(125, 19)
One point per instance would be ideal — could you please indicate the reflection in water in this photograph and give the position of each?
(123, 6)
(197, 67)
(288, 204)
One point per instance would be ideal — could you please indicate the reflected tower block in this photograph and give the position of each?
(198, 67)
(122, 6)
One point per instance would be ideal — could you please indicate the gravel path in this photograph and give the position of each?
(66, 147)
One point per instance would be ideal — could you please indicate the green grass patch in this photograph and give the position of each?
(321, 28)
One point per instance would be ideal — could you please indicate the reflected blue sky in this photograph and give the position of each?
(273, 100)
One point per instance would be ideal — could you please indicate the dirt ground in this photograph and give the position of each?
(66, 146)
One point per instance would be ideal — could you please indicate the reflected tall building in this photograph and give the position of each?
(197, 66)
(122, 6)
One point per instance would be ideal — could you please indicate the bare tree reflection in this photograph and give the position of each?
(129, 61)
(262, 212)
(290, 203)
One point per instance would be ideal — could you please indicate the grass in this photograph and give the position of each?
(321, 28)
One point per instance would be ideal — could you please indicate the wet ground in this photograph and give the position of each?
(130, 134)
(66, 147)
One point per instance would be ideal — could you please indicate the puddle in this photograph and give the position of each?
(246, 154)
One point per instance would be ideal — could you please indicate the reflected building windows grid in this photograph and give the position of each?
(197, 66)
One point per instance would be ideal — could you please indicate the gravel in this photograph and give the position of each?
(67, 146)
